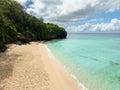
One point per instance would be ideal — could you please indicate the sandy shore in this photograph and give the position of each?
(30, 67)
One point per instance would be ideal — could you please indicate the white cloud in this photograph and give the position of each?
(95, 20)
(22, 2)
(112, 26)
(61, 11)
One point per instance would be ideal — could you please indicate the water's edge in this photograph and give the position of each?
(50, 54)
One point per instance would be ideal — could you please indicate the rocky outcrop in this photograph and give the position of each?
(2, 47)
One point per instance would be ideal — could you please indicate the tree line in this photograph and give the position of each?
(17, 25)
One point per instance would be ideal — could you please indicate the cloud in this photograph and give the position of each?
(95, 20)
(63, 11)
(112, 26)
(22, 2)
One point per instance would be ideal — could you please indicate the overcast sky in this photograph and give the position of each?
(77, 15)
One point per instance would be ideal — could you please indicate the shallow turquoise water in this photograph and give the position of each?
(93, 58)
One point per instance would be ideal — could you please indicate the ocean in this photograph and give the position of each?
(94, 59)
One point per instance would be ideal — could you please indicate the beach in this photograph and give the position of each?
(32, 67)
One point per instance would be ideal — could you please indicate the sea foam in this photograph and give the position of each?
(79, 83)
(73, 76)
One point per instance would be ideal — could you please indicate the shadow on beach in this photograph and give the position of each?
(6, 66)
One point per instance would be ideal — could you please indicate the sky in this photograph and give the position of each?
(78, 16)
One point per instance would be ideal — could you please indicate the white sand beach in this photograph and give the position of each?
(34, 69)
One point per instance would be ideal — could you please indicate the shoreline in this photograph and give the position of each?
(66, 75)
(80, 85)
(36, 69)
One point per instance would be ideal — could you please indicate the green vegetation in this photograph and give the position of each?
(17, 25)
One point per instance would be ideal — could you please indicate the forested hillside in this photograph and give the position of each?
(17, 25)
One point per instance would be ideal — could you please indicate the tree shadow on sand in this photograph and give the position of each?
(6, 67)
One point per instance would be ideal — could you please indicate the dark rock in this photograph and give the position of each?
(18, 42)
(2, 47)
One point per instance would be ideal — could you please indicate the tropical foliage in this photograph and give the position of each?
(17, 25)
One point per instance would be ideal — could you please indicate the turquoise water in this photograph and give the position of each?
(94, 59)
